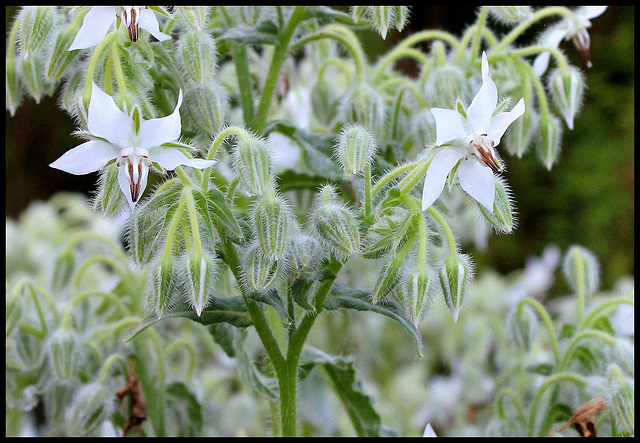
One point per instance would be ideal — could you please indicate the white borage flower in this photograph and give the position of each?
(468, 141)
(135, 147)
(573, 27)
(99, 19)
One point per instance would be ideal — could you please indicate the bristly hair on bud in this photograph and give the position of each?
(548, 145)
(503, 219)
(581, 269)
(510, 15)
(567, 90)
(354, 149)
(522, 325)
(270, 217)
(162, 284)
(36, 23)
(91, 406)
(417, 292)
(456, 274)
(65, 355)
(259, 272)
(197, 55)
(253, 164)
(200, 271)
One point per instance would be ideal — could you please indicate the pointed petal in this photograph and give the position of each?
(171, 158)
(592, 11)
(106, 120)
(149, 22)
(95, 25)
(501, 122)
(484, 103)
(477, 181)
(442, 163)
(125, 184)
(154, 132)
(450, 125)
(85, 158)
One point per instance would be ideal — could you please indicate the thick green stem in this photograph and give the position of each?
(244, 81)
(215, 144)
(476, 38)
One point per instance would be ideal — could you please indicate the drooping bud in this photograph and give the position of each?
(260, 272)
(417, 293)
(335, 224)
(64, 354)
(63, 269)
(581, 269)
(511, 14)
(622, 353)
(13, 312)
(522, 326)
(253, 165)
(358, 12)
(270, 217)
(162, 281)
(389, 276)
(622, 402)
(548, 147)
(206, 103)
(60, 57)
(365, 105)
(503, 217)
(12, 82)
(91, 406)
(198, 54)
(306, 256)
(32, 76)
(382, 17)
(195, 16)
(35, 25)
(355, 149)
(200, 272)
(520, 134)
(455, 274)
(323, 101)
(567, 90)
(400, 17)
(387, 233)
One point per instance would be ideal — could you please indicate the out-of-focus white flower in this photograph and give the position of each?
(573, 27)
(468, 141)
(115, 136)
(99, 19)
(537, 276)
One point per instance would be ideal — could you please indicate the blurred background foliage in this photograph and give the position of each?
(587, 198)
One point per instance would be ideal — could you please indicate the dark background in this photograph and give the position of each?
(587, 198)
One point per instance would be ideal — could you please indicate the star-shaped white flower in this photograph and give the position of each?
(114, 136)
(573, 27)
(470, 142)
(99, 19)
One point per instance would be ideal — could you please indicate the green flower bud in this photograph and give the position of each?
(13, 312)
(358, 12)
(200, 272)
(355, 149)
(417, 293)
(198, 55)
(324, 101)
(60, 57)
(622, 353)
(29, 351)
(522, 326)
(194, 16)
(253, 165)
(382, 17)
(445, 85)
(510, 14)
(520, 134)
(36, 23)
(387, 233)
(581, 269)
(364, 105)
(270, 217)
(389, 276)
(335, 224)
(306, 256)
(260, 273)
(207, 106)
(401, 17)
(12, 82)
(622, 402)
(64, 354)
(456, 274)
(548, 147)
(503, 217)
(567, 91)
(32, 76)
(109, 198)
(91, 406)
(63, 269)
(162, 282)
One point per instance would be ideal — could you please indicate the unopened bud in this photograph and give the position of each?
(581, 269)
(364, 105)
(445, 85)
(388, 278)
(335, 224)
(622, 402)
(502, 218)
(306, 256)
(358, 12)
(35, 25)
(12, 82)
(455, 274)
(253, 165)
(417, 293)
(162, 284)
(260, 272)
(622, 353)
(382, 17)
(355, 149)
(13, 312)
(64, 354)
(63, 269)
(387, 233)
(250, 14)
(198, 53)
(521, 132)
(60, 57)
(32, 75)
(110, 197)
(511, 14)
(548, 147)
(207, 106)
(200, 272)
(271, 219)
(195, 16)
(401, 16)
(567, 90)
(91, 406)
(522, 326)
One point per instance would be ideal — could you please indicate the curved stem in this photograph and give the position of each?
(239, 53)
(117, 67)
(172, 228)
(106, 368)
(215, 144)
(517, 31)
(160, 375)
(97, 259)
(390, 176)
(88, 235)
(367, 191)
(601, 308)
(395, 55)
(66, 320)
(183, 345)
(447, 230)
(589, 333)
(546, 319)
(516, 402)
(337, 62)
(476, 39)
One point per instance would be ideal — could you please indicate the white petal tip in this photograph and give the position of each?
(456, 313)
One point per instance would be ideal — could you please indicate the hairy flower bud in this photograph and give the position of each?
(581, 269)
(60, 57)
(382, 17)
(416, 293)
(622, 402)
(365, 105)
(522, 325)
(401, 17)
(503, 217)
(548, 147)
(567, 90)
(253, 165)
(447, 84)
(12, 83)
(260, 272)
(358, 13)
(162, 281)
(335, 224)
(194, 16)
(91, 406)
(64, 354)
(455, 274)
(63, 269)
(200, 271)
(32, 76)
(13, 312)
(520, 134)
(270, 217)
(306, 256)
(206, 103)
(389, 276)
(109, 198)
(198, 55)
(355, 149)
(387, 233)
(35, 25)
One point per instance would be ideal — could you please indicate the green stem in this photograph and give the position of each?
(106, 368)
(367, 191)
(589, 333)
(239, 53)
(422, 246)
(173, 226)
(447, 230)
(187, 346)
(160, 377)
(546, 319)
(580, 289)
(86, 95)
(279, 55)
(117, 67)
(193, 218)
(476, 39)
(337, 62)
(602, 308)
(516, 402)
(517, 31)
(98, 259)
(215, 144)
(395, 55)
(390, 176)
(66, 320)
(183, 176)
(540, 92)
(523, 52)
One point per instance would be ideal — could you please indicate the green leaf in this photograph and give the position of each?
(312, 357)
(184, 409)
(227, 336)
(261, 384)
(343, 297)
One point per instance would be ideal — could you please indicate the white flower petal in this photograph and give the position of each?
(484, 103)
(477, 181)
(552, 39)
(106, 120)
(442, 163)
(85, 158)
(450, 125)
(149, 22)
(154, 132)
(171, 158)
(501, 122)
(95, 25)
(592, 11)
